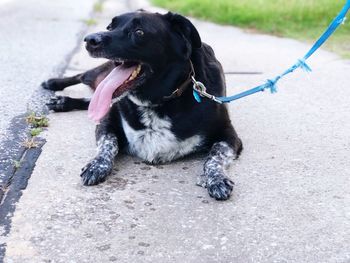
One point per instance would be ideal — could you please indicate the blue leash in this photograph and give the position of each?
(199, 89)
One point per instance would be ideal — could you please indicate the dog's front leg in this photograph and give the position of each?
(214, 179)
(101, 166)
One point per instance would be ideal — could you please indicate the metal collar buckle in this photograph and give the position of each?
(200, 88)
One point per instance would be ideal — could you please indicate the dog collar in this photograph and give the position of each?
(180, 90)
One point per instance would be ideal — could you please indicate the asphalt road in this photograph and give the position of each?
(33, 47)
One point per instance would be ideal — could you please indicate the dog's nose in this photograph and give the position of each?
(94, 40)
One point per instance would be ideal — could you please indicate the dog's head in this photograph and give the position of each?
(141, 44)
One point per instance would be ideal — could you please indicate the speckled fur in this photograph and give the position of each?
(214, 179)
(101, 166)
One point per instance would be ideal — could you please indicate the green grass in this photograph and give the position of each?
(299, 19)
(98, 7)
(90, 22)
(37, 121)
(16, 164)
(35, 131)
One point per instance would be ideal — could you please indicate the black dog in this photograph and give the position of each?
(143, 97)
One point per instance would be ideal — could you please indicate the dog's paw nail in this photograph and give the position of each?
(44, 85)
(83, 170)
(202, 181)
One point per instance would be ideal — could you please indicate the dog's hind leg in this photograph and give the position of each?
(221, 155)
(91, 78)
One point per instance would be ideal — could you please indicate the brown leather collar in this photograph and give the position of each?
(178, 92)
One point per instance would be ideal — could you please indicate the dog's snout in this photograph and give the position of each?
(94, 40)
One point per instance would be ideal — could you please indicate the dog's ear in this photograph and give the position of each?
(186, 29)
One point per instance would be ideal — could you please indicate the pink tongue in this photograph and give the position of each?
(102, 98)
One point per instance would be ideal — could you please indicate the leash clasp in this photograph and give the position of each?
(200, 88)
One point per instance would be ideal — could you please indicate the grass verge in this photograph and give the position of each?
(299, 19)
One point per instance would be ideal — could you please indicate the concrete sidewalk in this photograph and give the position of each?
(291, 202)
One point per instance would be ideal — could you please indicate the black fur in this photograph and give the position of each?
(164, 48)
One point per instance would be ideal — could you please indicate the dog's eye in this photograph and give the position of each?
(139, 32)
(113, 24)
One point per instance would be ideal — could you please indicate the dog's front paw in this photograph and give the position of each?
(220, 187)
(59, 104)
(96, 171)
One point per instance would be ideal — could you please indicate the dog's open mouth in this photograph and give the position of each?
(121, 79)
(124, 69)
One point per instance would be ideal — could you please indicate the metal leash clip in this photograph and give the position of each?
(202, 90)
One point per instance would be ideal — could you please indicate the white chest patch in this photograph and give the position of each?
(156, 143)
